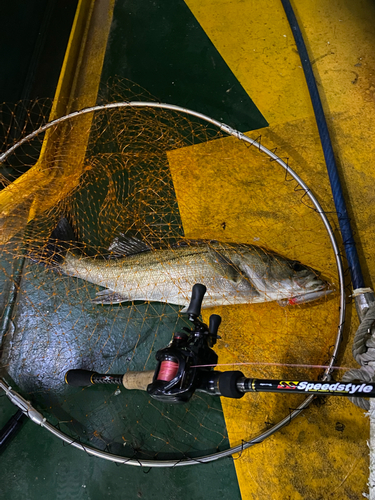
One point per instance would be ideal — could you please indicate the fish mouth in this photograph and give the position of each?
(304, 298)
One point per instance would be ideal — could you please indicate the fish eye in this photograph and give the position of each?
(297, 266)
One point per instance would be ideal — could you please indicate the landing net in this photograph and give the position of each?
(159, 174)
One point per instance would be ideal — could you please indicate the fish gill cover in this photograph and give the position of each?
(188, 204)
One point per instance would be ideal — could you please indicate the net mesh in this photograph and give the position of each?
(159, 177)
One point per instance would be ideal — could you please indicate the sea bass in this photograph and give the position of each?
(232, 273)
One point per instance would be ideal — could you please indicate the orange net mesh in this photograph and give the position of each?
(169, 187)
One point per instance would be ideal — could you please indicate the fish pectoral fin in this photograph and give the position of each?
(109, 297)
(224, 266)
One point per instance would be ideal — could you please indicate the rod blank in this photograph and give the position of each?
(307, 387)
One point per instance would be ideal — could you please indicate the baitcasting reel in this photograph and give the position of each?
(182, 366)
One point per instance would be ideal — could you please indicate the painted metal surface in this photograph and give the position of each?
(324, 453)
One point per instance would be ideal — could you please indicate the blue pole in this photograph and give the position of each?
(338, 196)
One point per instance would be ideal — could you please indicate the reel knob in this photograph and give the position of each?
(213, 326)
(195, 305)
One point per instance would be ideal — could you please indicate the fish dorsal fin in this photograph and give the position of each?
(123, 246)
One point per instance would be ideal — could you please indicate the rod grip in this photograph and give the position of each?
(138, 380)
(79, 378)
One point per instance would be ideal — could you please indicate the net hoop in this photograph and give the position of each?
(36, 417)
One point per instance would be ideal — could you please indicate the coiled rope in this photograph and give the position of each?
(364, 353)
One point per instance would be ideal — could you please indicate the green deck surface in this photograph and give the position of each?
(161, 47)
(37, 465)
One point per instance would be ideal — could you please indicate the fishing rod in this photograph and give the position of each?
(180, 373)
(364, 296)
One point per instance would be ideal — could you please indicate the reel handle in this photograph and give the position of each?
(195, 305)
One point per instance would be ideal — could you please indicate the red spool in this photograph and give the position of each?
(168, 371)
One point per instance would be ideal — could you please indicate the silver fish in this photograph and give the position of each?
(232, 273)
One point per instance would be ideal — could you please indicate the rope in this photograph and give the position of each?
(364, 353)
(364, 374)
(364, 341)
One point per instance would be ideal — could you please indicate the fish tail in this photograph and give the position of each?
(53, 253)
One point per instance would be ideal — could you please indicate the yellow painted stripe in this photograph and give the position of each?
(73, 58)
(43, 186)
(310, 459)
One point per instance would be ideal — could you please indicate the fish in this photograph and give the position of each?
(232, 273)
